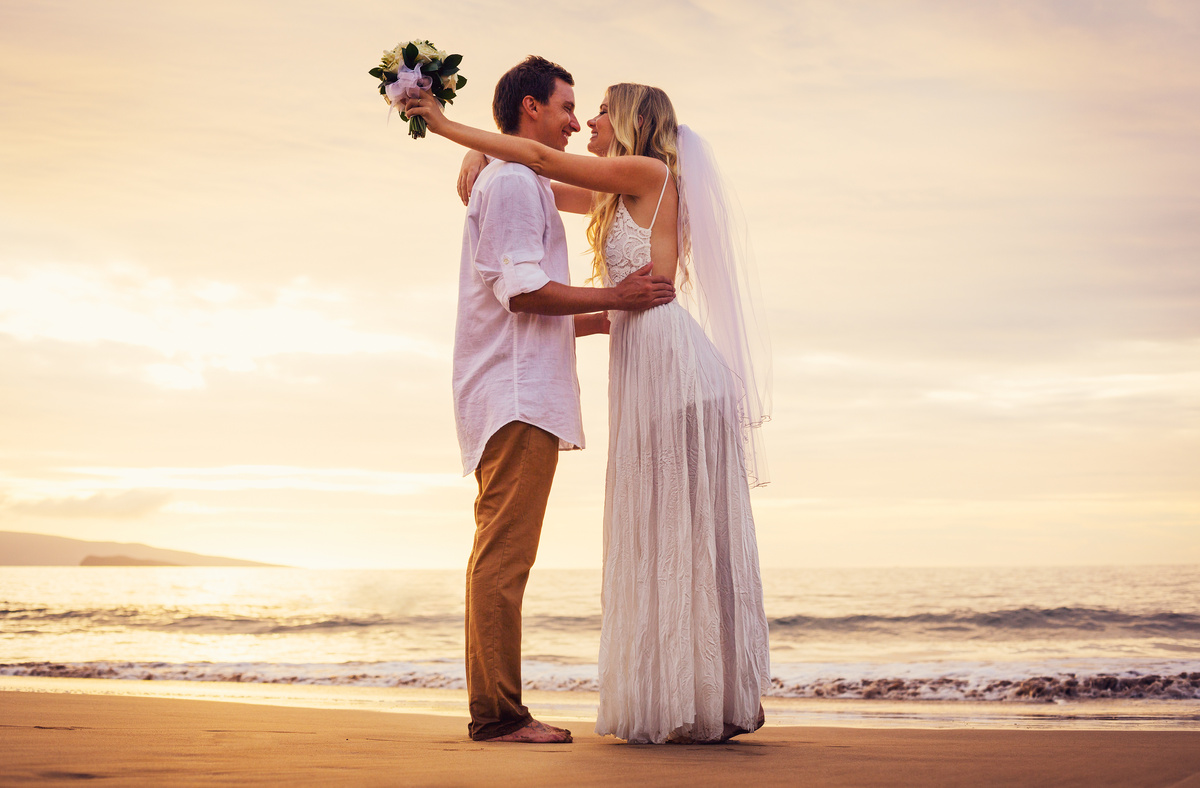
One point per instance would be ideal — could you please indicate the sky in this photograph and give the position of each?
(228, 280)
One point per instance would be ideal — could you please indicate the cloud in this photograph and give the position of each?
(1069, 391)
(123, 505)
(1126, 386)
(974, 224)
(101, 483)
(194, 326)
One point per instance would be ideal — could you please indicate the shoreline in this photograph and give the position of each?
(580, 706)
(57, 737)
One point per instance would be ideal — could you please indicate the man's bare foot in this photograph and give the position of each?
(537, 733)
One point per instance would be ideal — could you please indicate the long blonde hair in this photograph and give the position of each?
(643, 123)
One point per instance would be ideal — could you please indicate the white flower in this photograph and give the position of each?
(449, 82)
(427, 52)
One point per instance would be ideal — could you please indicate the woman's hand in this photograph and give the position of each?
(427, 107)
(472, 164)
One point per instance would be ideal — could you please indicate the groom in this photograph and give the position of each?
(516, 396)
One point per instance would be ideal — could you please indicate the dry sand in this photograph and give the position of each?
(58, 738)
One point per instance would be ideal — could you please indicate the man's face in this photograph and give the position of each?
(556, 122)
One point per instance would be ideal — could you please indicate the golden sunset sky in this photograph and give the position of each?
(227, 282)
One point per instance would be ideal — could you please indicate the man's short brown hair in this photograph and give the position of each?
(534, 76)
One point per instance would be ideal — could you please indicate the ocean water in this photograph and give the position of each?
(1102, 642)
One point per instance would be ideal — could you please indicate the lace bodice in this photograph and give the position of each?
(627, 247)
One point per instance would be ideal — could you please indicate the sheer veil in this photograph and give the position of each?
(724, 295)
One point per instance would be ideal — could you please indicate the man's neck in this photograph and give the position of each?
(526, 131)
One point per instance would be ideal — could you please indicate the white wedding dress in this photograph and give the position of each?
(683, 644)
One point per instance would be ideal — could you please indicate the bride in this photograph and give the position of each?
(683, 645)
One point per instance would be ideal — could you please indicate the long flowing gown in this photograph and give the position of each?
(683, 644)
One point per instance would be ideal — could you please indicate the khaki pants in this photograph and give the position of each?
(514, 477)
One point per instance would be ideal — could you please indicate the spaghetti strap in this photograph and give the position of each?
(660, 196)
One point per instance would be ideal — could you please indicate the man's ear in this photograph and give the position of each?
(531, 107)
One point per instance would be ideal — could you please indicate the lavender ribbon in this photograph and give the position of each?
(409, 84)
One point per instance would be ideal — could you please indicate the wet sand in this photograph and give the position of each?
(48, 738)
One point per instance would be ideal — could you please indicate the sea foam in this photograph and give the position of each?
(895, 682)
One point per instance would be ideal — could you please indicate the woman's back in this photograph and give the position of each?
(644, 231)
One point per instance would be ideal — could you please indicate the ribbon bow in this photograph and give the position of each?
(408, 84)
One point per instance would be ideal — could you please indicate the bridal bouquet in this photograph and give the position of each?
(413, 66)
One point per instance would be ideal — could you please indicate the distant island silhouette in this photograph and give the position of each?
(26, 549)
(121, 560)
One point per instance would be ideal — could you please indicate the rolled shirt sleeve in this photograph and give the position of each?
(509, 366)
(511, 245)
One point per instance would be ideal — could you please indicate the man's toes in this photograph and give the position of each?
(537, 733)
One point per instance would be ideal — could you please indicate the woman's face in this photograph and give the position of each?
(602, 132)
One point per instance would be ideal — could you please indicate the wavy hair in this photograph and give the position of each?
(643, 123)
(534, 76)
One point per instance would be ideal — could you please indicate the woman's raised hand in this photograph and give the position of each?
(427, 107)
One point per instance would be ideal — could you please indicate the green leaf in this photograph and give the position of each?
(461, 81)
(431, 67)
(447, 96)
(376, 72)
(446, 71)
(452, 61)
(410, 55)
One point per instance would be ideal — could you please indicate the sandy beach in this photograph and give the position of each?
(64, 738)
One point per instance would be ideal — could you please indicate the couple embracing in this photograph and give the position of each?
(683, 649)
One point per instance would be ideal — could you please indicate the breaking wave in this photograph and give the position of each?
(31, 619)
(1022, 620)
(997, 623)
(1014, 682)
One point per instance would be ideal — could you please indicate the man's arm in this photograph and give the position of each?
(640, 290)
(571, 199)
(592, 323)
(510, 249)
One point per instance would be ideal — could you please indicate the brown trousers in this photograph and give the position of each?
(514, 477)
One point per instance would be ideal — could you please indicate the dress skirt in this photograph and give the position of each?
(683, 644)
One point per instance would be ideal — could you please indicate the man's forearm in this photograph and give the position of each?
(591, 323)
(555, 298)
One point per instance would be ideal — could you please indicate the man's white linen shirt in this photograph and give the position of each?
(512, 366)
